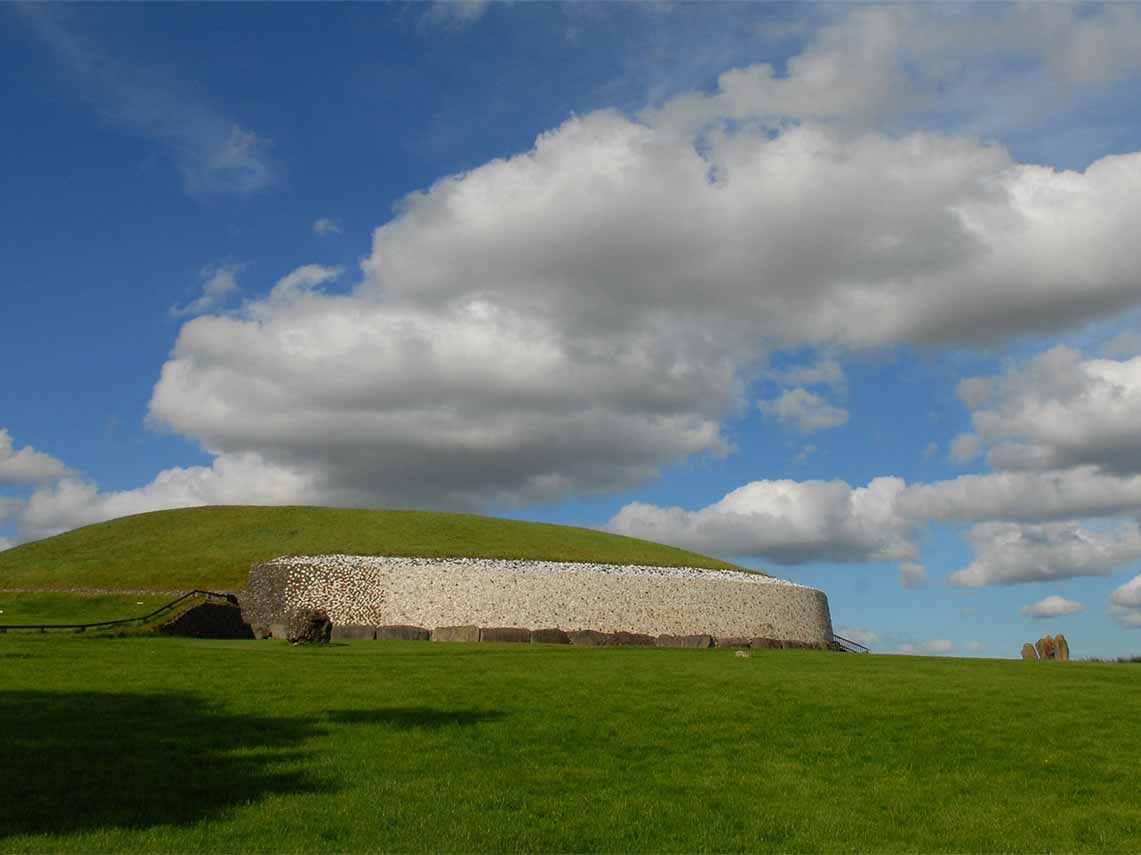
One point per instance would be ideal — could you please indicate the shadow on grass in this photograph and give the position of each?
(71, 761)
(408, 718)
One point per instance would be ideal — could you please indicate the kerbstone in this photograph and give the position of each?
(456, 633)
(549, 636)
(634, 639)
(505, 633)
(696, 641)
(402, 632)
(591, 638)
(353, 632)
(732, 641)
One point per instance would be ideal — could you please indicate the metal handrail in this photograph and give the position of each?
(43, 627)
(849, 645)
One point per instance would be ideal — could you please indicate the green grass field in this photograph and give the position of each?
(177, 745)
(37, 608)
(214, 547)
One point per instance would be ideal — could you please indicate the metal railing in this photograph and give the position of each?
(849, 646)
(82, 627)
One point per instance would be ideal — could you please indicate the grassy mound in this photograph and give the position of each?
(214, 547)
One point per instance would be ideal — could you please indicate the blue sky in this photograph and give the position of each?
(848, 293)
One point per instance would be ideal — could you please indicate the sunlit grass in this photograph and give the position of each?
(176, 745)
(52, 608)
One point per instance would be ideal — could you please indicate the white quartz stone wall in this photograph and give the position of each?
(538, 594)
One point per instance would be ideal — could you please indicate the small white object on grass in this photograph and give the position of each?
(744, 654)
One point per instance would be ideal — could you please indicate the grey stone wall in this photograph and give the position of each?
(377, 591)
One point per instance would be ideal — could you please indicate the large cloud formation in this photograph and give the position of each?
(1062, 432)
(794, 522)
(571, 319)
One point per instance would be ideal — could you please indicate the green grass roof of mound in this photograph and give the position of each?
(214, 547)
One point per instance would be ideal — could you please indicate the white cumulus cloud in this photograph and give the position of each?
(326, 226)
(936, 646)
(1009, 553)
(785, 521)
(801, 521)
(1051, 607)
(964, 448)
(860, 635)
(26, 465)
(1060, 410)
(219, 283)
(231, 479)
(804, 410)
(1125, 602)
(912, 574)
(454, 14)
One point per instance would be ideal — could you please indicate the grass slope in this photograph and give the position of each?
(214, 547)
(39, 608)
(175, 745)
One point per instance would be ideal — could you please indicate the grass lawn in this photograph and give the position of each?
(76, 608)
(214, 547)
(177, 745)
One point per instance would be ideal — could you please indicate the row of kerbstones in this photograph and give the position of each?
(371, 591)
(581, 637)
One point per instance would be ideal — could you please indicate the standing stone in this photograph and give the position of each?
(1045, 648)
(1028, 652)
(1062, 647)
(309, 626)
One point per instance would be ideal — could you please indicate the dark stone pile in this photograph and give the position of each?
(209, 620)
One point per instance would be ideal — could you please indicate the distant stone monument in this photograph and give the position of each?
(1047, 647)
(1062, 647)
